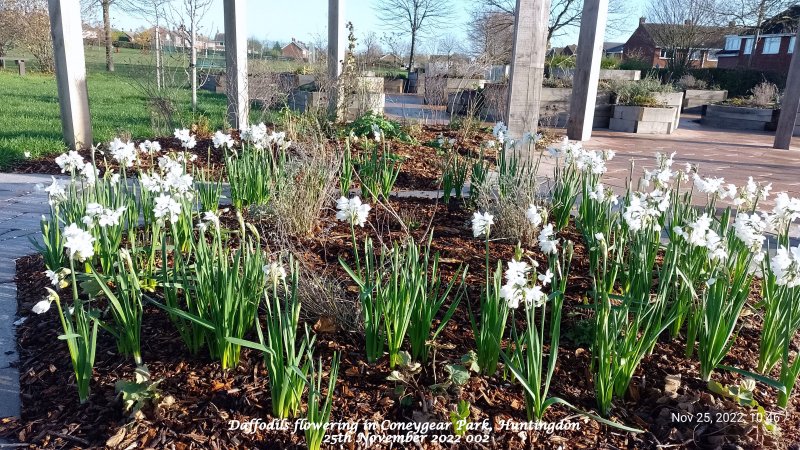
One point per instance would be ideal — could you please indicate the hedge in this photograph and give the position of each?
(738, 82)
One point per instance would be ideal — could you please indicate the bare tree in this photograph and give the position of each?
(415, 17)
(681, 27)
(154, 12)
(490, 35)
(191, 12)
(25, 24)
(9, 25)
(371, 48)
(398, 48)
(750, 14)
(105, 6)
(564, 14)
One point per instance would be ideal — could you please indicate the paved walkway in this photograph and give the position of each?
(21, 208)
(730, 154)
(412, 107)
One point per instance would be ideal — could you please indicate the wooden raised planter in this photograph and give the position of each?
(644, 120)
(674, 100)
(740, 117)
(553, 108)
(694, 98)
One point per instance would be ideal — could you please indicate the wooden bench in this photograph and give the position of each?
(19, 61)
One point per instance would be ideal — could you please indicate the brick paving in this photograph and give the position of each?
(733, 155)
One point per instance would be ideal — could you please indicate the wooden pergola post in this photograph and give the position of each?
(73, 97)
(527, 66)
(236, 63)
(790, 102)
(587, 70)
(337, 44)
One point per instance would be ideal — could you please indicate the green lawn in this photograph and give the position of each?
(29, 113)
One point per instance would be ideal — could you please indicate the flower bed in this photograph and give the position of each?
(476, 316)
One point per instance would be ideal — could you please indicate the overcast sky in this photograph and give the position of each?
(282, 20)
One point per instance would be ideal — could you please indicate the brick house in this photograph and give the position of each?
(774, 49)
(645, 44)
(295, 50)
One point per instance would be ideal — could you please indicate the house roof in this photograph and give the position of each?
(299, 44)
(612, 45)
(712, 37)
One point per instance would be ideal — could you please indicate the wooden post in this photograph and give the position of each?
(587, 70)
(236, 63)
(790, 102)
(337, 43)
(527, 66)
(73, 98)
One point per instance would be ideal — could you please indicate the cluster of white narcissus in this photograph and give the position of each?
(519, 288)
(274, 272)
(186, 138)
(79, 243)
(588, 161)
(482, 224)
(221, 139)
(208, 218)
(102, 216)
(700, 234)
(258, 137)
(352, 211)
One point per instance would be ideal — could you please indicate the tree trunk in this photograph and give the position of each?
(106, 5)
(411, 52)
(158, 55)
(193, 62)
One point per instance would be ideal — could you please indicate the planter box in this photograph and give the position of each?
(675, 100)
(617, 74)
(305, 101)
(553, 108)
(640, 119)
(695, 98)
(394, 86)
(739, 118)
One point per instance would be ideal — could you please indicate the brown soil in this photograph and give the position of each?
(205, 397)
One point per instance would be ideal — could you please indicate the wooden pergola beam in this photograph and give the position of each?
(587, 70)
(236, 63)
(527, 66)
(73, 97)
(790, 101)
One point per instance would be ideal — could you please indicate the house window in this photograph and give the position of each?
(733, 43)
(791, 44)
(771, 46)
(695, 55)
(665, 54)
(712, 55)
(748, 46)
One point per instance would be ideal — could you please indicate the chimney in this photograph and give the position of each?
(687, 22)
(732, 24)
(642, 20)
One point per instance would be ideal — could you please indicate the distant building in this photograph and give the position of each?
(613, 49)
(295, 50)
(646, 44)
(569, 50)
(772, 52)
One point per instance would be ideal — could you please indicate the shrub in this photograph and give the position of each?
(366, 125)
(639, 93)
